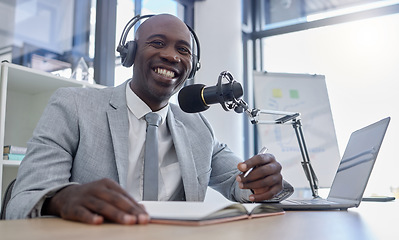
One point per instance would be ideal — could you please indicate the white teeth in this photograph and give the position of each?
(165, 72)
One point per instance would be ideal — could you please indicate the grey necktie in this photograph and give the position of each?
(150, 191)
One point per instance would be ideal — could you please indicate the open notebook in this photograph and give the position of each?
(353, 172)
(205, 213)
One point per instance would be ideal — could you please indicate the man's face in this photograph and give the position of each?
(163, 59)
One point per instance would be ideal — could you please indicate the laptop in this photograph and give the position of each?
(353, 172)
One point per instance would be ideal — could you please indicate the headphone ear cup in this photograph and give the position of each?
(194, 67)
(128, 60)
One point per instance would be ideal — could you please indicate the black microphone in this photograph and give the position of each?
(197, 98)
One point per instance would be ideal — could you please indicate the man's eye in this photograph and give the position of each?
(156, 44)
(184, 50)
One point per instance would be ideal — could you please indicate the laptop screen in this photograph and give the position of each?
(357, 162)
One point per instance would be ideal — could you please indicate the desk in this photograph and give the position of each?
(369, 221)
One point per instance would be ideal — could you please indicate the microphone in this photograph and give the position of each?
(197, 97)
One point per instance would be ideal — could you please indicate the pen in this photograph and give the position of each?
(262, 151)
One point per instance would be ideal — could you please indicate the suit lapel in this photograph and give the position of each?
(185, 158)
(119, 127)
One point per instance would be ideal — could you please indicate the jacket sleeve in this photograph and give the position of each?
(47, 164)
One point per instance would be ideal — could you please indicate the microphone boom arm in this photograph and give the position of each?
(287, 118)
(292, 118)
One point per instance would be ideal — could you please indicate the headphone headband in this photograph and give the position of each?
(127, 50)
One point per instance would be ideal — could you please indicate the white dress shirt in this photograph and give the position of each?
(169, 170)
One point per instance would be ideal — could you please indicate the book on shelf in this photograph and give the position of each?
(206, 213)
(14, 149)
(13, 156)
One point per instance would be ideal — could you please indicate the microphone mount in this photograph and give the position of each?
(293, 118)
(235, 103)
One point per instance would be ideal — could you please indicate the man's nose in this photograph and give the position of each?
(170, 54)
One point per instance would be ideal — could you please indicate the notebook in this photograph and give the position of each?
(352, 174)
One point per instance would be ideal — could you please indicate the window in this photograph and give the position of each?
(278, 13)
(359, 60)
(47, 35)
(356, 49)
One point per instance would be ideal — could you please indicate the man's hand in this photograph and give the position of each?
(94, 202)
(265, 180)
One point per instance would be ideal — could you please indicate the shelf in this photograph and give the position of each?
(24, 93)
(33, 81)
(13, 163)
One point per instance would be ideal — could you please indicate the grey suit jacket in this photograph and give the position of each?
(82, 136)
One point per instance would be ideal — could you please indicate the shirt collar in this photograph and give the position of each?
(140, 108)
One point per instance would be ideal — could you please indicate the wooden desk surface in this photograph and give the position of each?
(369, 221)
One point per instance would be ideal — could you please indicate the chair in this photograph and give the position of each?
(7, 196)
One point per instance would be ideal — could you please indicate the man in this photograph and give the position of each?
(84, 161)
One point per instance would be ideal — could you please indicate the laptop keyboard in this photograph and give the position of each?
(318, 201)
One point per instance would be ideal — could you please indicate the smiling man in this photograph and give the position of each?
(163, 60)
(85, 159)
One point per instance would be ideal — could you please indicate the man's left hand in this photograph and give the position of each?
(265, 180)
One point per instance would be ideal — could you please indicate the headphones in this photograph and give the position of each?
(127, 50)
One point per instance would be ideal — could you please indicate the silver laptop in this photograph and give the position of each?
(353, 172)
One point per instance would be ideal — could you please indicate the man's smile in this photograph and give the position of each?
(164, 72)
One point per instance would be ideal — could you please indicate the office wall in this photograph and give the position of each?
(218, 26)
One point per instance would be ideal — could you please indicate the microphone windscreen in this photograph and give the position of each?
(190, 99)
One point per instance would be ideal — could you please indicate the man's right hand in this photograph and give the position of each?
(94, 202)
